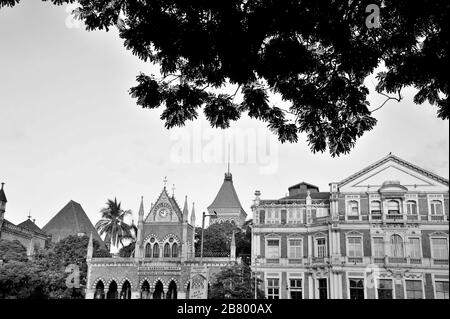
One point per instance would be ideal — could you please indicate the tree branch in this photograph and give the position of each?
(388, 98)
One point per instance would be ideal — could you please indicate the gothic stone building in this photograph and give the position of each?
(381, 233)
(163, 259)
(27, 232)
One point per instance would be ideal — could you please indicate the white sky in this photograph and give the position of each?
(69, 130)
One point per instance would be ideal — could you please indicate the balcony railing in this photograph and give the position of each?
(352, 217)
(355, 260)
(295, 261)
(378, 260)
(440, 262)
(413, 217)
(394, 217)
(376, 217)
(272, 261)
(415, 261)
(397, 260)
(437, 217)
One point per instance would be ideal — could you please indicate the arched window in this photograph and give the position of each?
(393, 207)
(411, 207)
(112, 291)
(156, 250)
(148, 250)
(397, 246)
(99, 291)
(175, 250)
(126, 290)
(166, 250)
(436, 207)
(353, 208)
(145, 290)
(375, 207)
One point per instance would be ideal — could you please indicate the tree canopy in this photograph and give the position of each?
(44, 276)
(235, 282)
(12, 250)
(313, 55)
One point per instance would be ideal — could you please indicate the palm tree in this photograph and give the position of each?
(112, 223)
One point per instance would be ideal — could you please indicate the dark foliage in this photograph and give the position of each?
(314, 54)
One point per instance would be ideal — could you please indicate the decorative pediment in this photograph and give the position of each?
(165, 210)
(379, 177)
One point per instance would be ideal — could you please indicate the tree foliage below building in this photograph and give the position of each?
(235, 282)
(44, 276)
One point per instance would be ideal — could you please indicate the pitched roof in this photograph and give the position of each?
(71, 220)
(30, 225)
(227, 196)
(313, 195)
(391, 157)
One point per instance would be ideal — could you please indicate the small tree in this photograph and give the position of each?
(235, 282)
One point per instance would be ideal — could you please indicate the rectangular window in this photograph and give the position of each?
(295, 249)
(273, 288)
(323, 290)
(385, 289)
(436, 207)
(354, 246)
(321, 247)
(411, 207)
(378, 247)
(414, 289)
(414, 248)
(295, 289)
(439, 248)
(273, 250)
(356, 288)
(441, 289)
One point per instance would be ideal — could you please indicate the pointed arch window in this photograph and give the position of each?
(156, 250)
(167, 250)
(175, 250)
(148, 250)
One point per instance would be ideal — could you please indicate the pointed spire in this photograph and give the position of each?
(228, 176)
(233, 247)
(2, 194)
(141, 210)
(90, 249)
(185, 210)
(193, 215)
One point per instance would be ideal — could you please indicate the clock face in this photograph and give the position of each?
(163, 212)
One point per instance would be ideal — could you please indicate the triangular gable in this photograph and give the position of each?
(392, 168)
(165, 201)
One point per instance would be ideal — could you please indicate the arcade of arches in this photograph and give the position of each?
(157, 291)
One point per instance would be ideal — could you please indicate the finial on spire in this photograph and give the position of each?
(29, 214)
(173, 190)
(165, 181)
(3, 184)
(228, 158)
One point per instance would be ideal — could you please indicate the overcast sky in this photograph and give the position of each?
(69, 130)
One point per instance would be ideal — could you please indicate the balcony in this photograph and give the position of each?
(295, 261)
(355, 260)
(397, 260)
(352, 217)
(440, 262)
(415, 261)
(272, 261)
(437, 218)
(412, 217)
(394, 218)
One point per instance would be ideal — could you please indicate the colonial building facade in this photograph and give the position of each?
(381, 233)
(163, 260)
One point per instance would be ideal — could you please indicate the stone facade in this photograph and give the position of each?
(163, 259)
(381, 233)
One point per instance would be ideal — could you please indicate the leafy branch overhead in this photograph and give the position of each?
(314, 55)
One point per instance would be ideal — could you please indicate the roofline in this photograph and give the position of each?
(303, 183)
(397, 159)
